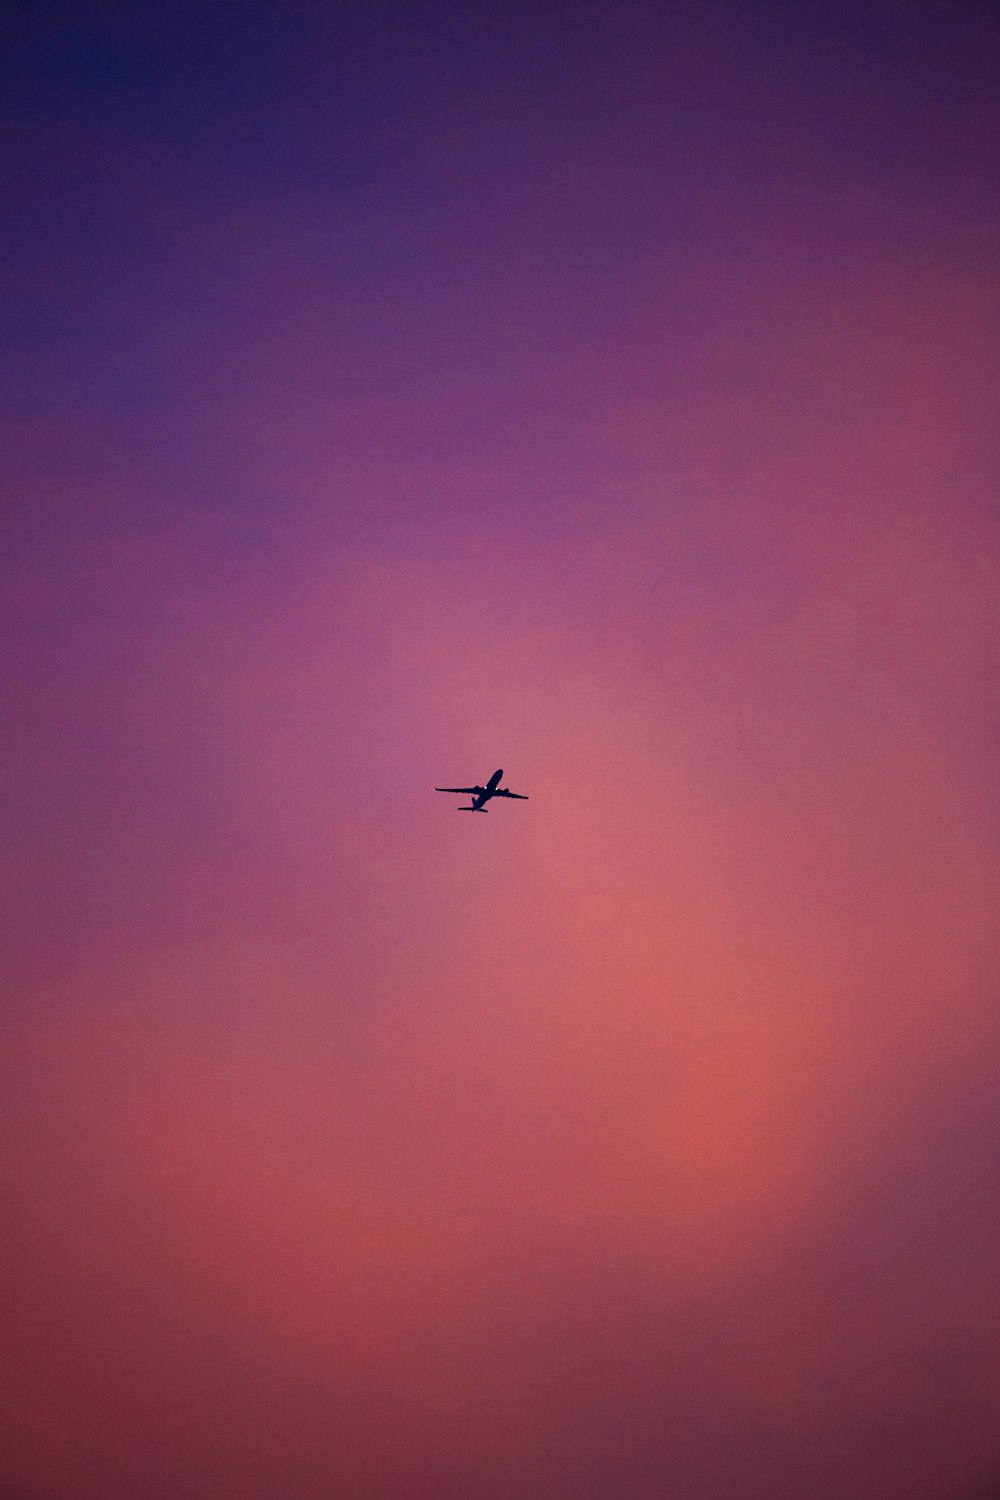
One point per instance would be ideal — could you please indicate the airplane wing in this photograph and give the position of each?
(466, 791)
(519, 795)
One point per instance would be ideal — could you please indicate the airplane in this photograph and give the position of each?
(481, 794)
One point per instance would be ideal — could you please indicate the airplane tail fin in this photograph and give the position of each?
(472, 809)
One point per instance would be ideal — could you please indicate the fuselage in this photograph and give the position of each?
(488, 790)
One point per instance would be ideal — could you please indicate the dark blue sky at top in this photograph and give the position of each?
(523, 181)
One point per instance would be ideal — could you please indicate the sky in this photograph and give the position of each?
(396, 391)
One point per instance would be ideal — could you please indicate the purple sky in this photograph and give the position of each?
(396, 392)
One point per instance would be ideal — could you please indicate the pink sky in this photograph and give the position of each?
(394, 397)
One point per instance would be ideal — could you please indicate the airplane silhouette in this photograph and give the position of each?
(481, 794)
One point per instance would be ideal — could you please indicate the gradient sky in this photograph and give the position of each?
(397, 391)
